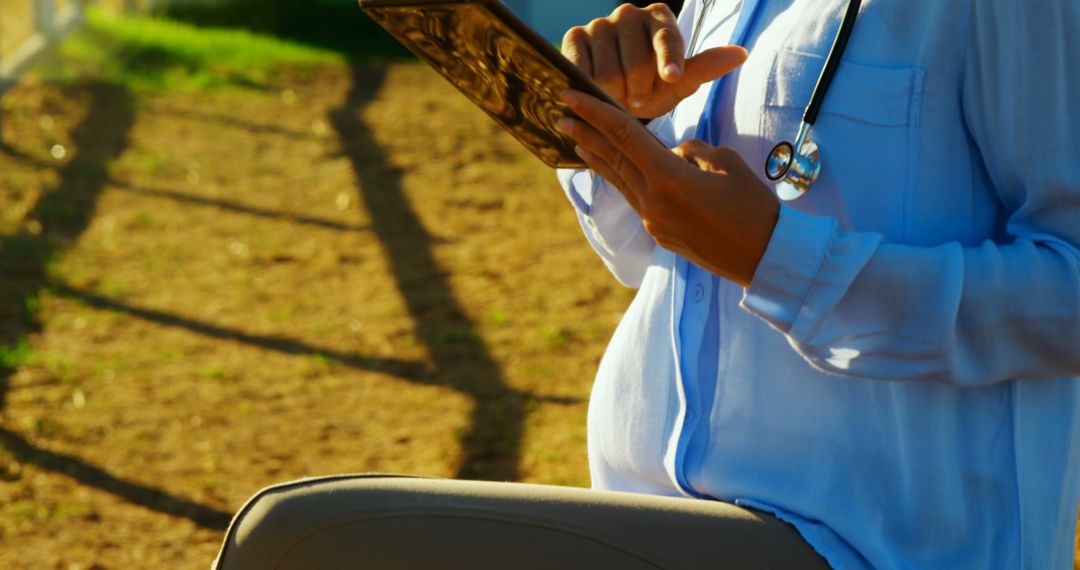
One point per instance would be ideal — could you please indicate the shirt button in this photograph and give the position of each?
(699, 292)
(591, 223)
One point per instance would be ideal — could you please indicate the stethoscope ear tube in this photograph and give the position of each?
(833, 62)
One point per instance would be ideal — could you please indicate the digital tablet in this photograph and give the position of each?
(499, 62)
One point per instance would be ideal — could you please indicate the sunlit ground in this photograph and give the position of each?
(214, 281)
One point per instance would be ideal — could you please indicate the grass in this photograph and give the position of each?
(336, 25)
(145, 53)
(17, 355)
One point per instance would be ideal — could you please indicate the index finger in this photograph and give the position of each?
(623, 131)
(667, 43)
(575, 47)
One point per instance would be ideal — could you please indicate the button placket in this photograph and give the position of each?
(699, 292)
(693, 321)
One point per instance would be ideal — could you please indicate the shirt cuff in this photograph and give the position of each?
(788, 268)
(581, 187)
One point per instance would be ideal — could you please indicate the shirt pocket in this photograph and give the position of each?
(866, 131)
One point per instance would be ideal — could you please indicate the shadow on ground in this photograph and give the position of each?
(58, 218)
(493, 439)
(492, 445)
(60, 215)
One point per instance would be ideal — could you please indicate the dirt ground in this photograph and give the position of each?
(354, 272)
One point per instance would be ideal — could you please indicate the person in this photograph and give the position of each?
(881, 374)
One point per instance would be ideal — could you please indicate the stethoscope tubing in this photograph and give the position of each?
(832, 62)
(691, 49)
(794, 166)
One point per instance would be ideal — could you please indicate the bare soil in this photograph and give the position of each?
(222, 290)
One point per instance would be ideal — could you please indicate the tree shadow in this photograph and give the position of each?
(98, 478)
(60, 215)
(165, 193)
(233, 122)
(412, 371)
(22, 156)
(493, 443)
(415, 372)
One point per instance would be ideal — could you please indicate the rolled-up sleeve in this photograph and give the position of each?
(854, 304)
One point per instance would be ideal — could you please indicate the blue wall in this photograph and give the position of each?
(553, 17)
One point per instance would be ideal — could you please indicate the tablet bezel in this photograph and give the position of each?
(575, 77)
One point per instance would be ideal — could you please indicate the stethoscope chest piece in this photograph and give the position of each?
(793, 172)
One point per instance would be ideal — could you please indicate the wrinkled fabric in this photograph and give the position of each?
(900, 379)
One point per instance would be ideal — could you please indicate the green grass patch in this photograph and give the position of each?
(500, 317)
(147, 53)
(337, 25)
(315, 365)
(13, 356)
(216, 372)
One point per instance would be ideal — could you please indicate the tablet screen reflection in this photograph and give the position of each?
(503, 75)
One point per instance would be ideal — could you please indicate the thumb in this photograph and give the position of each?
(712, 64)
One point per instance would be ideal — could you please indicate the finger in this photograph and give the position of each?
(575, 47)
(667, 42)
(638, 60)
(602, 168)
(593, 141)
(703, 155)
(607, 65)
(621, 131)
(710, 65)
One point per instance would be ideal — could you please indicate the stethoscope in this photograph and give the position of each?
(795, 172)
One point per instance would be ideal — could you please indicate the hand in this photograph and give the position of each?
(636, 55)
(699, 201)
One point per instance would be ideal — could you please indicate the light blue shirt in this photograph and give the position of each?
(899, 380)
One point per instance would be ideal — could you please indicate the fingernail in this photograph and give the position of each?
(564, 125)
(569, 97)
(672, 70)
(637, 103)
